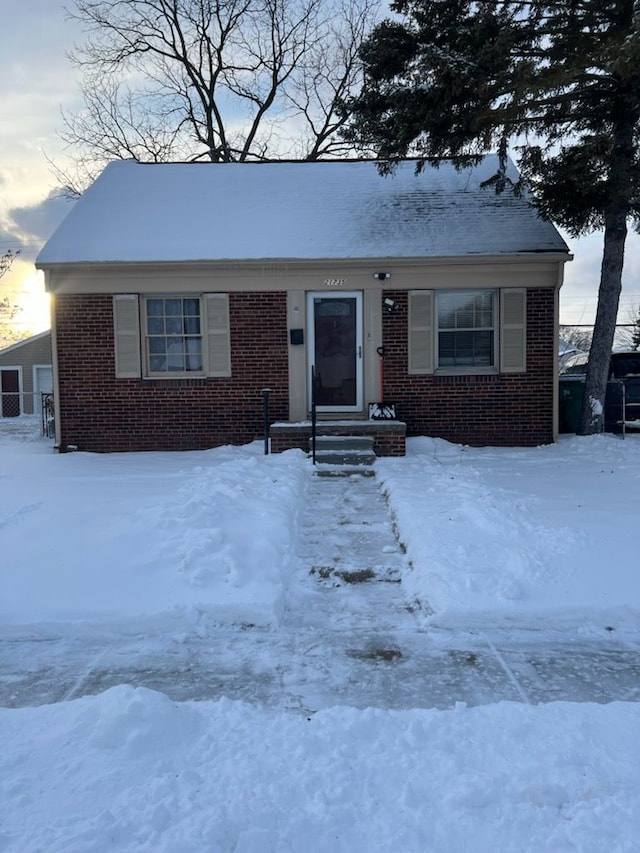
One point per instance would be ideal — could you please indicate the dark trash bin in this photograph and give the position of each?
(614, 407)
(570, 407)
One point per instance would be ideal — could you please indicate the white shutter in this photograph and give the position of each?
(421, 331)
(513, 331)
(126, 324)
(218, 335)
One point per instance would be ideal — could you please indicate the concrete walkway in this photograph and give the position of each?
(348, 636)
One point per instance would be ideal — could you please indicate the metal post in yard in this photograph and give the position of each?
(265, 411)
(314, 413)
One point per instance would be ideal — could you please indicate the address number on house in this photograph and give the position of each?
(335, 282)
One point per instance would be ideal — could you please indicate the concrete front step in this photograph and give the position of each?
(345, 457)
(351, 451)
(343, 442)
(388, 436)
(323, 470)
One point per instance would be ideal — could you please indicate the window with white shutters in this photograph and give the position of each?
(218, 334)
(127, 336)
(467, 331)
(172, 336)
(421, 331)
(513, 345)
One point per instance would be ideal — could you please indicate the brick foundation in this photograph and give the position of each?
(388, 436)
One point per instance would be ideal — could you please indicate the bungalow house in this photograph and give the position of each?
(181, 291)
(25, 375)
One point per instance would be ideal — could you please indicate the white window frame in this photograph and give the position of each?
(130, 336)
(146, 337)
(494, 329)
(509, 330)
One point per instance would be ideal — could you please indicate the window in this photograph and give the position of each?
(173, 335)
(466, 329)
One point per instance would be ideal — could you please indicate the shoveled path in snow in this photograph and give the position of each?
(348, 635)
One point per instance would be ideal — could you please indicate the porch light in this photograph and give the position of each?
(381, 276)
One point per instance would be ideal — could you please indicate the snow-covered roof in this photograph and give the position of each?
(267, 211)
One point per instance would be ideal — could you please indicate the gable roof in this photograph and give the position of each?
(25, 342)
(138, 212)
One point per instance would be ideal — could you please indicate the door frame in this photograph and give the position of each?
(359, 344)
(37, 385)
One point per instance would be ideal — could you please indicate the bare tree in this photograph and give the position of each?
(217, 80)
(628, 333)
(8, 309)
(576, 337)
(6, 260)
(9, 334)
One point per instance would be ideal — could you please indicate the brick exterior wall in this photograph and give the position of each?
(101, 413)
(513, 409)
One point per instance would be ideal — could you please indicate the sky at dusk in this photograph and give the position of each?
(38, 82)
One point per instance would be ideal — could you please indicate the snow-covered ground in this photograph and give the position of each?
(168, 560)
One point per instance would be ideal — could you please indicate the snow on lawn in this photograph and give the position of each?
(494, 535)
(124, 535)
(131, 771)
(503, 535)
(539, 537)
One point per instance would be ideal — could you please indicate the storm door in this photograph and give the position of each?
(335, 350)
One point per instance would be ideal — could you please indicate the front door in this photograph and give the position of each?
(335, 350)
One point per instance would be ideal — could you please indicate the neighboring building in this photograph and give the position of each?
(25, 375)
(180, 291)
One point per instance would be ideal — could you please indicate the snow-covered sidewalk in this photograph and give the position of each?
(230, 574)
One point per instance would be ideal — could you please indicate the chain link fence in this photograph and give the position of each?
(24, 412)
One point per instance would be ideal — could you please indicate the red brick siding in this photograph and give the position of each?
(102, 413)
(505, 409)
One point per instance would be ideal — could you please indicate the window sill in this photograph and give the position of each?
(469, 378)
(466, 371)
(174, 378)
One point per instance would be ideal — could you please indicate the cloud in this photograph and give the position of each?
(31, 226)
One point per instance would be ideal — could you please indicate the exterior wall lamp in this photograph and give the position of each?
(381, 276)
